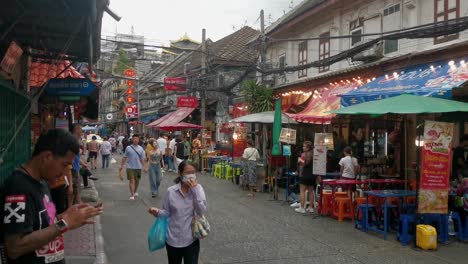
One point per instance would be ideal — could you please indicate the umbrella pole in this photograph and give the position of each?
(405, 123)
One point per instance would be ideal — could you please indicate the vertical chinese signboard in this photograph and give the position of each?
(435, 168)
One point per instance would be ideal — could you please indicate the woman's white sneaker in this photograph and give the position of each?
(300, 210)
(295, 205)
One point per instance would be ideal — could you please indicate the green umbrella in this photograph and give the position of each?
(276, 150)
(404, 104)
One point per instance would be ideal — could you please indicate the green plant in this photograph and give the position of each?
(123, 63)
(258, 97)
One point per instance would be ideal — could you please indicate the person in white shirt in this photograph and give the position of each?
(105, 149)
(349, 167)
(172, 144)
(250, 157)
(120, 144)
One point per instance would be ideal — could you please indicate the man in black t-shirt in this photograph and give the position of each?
(31, 231)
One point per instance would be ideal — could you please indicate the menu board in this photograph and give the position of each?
(322, 142)
(435, 168)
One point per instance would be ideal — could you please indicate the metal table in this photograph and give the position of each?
(385, 194)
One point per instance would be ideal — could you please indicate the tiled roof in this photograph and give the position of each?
(42, 71)
(234, 47)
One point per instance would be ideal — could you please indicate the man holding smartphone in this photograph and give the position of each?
(31, 231)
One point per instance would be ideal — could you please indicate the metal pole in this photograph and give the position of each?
(263, 42)
(203, 65)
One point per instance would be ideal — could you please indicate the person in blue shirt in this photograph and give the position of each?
(135, 160)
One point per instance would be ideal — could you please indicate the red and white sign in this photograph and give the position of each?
(131, 111)
(187, 101)
(11, 57)
(175, 84)
(435, 168)
(129, 73)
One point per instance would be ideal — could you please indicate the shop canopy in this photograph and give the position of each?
(319, 107)
(405, 104)
(436, 80)
(172, 118)
(179, 126)
(263, 117)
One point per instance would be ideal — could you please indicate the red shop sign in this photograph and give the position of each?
(131, 111)
(175, 84)
(187, 101)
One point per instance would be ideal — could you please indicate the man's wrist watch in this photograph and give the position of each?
(61, 226)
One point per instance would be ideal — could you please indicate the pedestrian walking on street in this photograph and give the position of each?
(77, 163)
(155, 160)
(32, 231)
(250, 157)
(182, 201)
(307, 181)
(135, 161)
(93, 148)
(179, 152)
(106, 150)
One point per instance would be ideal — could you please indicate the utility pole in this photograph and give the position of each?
(263, 42)
(203, 71)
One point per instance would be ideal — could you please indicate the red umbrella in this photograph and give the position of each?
(181, 125)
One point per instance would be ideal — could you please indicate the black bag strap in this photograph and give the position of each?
(136, 151)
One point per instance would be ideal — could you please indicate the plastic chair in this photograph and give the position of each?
(345, 209)
(364, 210)
(404, 235)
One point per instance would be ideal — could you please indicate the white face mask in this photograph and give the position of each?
(187, 177)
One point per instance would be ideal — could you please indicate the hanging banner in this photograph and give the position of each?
(175, 84)
(187, 101)
(322, 142)
(435, 168)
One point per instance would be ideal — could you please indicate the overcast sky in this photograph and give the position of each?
(162, 20)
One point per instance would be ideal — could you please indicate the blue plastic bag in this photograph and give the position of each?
(157, 234)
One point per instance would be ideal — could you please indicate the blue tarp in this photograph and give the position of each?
(422, 80)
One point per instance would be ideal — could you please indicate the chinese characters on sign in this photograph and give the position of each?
(435, 168)
(175, 84)
(11, 57)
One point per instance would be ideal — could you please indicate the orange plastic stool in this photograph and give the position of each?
(345, 209)
(326, 203)
(334, 208)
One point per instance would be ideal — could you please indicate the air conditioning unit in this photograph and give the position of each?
(372, 54)
(410, 4)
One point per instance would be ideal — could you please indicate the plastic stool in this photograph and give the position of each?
(326, 203)
(363, 210)
(392, 212)
(357, 202)
(440, 222)
(345, 209)
(229, 172)
(403, 234)
(218, 170)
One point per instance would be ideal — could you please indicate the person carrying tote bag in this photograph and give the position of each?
(185, 199)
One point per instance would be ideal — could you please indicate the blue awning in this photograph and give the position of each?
(435, 80)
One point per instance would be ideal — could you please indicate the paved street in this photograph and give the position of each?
(246, 230)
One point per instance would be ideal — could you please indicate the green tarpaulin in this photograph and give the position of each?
(276, 150)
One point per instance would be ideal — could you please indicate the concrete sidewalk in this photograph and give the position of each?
(85, 245)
